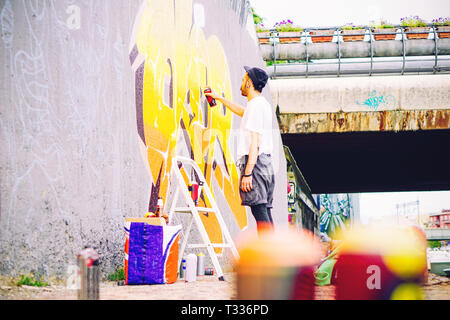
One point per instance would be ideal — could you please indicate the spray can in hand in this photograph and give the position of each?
(159, 208)
(211, 100)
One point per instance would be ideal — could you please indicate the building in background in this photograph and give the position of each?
(440, 220)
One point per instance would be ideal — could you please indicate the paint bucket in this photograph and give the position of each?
(191, 268)
(200, 264)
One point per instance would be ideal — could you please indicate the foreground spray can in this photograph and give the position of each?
(191, 268)
(271, 267)
(200, 264)
(211, 100)
(209, 271)
(88, 263)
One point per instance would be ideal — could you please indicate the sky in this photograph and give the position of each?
(337, 13)
(378, 206)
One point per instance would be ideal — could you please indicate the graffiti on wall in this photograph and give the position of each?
(173, 61)
(335, 212)
(374, 101)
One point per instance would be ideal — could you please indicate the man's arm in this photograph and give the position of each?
(234, 107)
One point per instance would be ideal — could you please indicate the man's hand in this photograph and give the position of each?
(247, 184)
(212, 94)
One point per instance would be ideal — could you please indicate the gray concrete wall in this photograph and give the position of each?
(71, 167)
(359, 94)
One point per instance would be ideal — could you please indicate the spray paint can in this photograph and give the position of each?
(159, 208)
(183, 268)
(193, 188)
(209, 271)
(191, 268)
(211, 100)
(200, 264)
(89, 273)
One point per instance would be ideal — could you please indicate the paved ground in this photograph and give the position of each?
(205, 288)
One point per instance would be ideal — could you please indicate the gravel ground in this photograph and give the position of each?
(205, 288)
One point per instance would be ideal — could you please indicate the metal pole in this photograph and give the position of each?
(403, 50)
(274, 57)
(435, 50)
(306, 51)
(339, 51)
(371, 51)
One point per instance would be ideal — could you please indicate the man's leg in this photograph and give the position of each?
(262, 216)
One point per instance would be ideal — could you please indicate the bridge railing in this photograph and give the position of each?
(435, 45)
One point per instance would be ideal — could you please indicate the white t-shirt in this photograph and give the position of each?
(257, 118)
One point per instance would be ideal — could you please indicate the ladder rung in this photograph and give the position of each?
(187, 209)
(215, 245)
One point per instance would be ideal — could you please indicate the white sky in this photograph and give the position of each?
(337, 13)
(379, 205)
(359, 12)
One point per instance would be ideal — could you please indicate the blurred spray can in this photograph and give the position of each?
(271, 267)
(191, 268)
(200, 264)
(381, 264)
(211, 100)
(88, 264)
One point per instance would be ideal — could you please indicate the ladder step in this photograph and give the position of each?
(215, 245)
(200, 209)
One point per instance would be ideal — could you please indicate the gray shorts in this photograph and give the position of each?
(263, 181)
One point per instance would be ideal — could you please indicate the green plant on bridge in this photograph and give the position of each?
(413, 21)
(287, 26)
(351, 26)
(441, 21)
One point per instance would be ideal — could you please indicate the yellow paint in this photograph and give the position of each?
(166, 33)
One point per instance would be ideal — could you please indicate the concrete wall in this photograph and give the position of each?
(75, 125)
(354, 94)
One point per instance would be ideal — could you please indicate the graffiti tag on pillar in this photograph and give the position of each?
(373, 102)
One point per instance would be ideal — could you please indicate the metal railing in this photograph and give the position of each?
(306, 37)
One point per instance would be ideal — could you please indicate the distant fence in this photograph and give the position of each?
(437, 234)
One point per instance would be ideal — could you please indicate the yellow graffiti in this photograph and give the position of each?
(179, 63)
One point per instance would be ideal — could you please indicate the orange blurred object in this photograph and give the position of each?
(277, 265)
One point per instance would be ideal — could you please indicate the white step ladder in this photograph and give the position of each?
(194, 210)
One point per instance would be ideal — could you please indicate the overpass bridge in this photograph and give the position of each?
(367, 134)
(437, 234)
(365, 131)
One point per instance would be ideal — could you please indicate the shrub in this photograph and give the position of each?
(286, 26)
(413, 21)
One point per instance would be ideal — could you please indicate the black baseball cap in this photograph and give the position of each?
(258, 76)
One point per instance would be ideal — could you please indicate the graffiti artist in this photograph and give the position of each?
(255, 146)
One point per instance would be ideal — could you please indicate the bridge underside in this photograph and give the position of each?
(373, 161)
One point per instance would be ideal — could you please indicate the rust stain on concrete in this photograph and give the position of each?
(393, 120)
